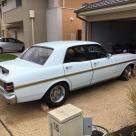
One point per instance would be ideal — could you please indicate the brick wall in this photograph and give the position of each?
(71, 24)
(76, 3)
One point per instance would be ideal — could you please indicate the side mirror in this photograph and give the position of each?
(109, 55)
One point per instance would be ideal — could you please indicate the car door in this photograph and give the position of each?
(4, 44)
(102, 63)
(13, 45)
(77, 67)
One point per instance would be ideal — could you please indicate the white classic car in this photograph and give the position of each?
(49, 71)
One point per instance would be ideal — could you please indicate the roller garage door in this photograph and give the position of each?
(116, 36)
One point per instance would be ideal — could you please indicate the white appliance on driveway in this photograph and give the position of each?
(66, 121)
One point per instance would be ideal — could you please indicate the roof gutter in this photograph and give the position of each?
(86, 24)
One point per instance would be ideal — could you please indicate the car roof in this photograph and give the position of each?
(65, 44)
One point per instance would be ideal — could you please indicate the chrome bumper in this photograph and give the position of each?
(10, 98)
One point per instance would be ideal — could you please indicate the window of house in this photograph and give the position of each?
(11, 40)
(76, 54)
(18, 3)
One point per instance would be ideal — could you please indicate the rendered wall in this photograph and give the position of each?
(11, 4)
(54, 24)
(39, 6)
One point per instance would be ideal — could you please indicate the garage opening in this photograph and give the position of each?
(116, 36)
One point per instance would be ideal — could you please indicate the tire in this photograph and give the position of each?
(1, 50)
(23, 48)
(127, 73)
(97, 133)
(56, 95)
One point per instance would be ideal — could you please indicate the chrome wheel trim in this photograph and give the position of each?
(128, 72)
(57, 94)
(102, 130)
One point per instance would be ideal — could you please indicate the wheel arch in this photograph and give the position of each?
(132, 65)
(129, 64)
(62, 82)
(66, 82)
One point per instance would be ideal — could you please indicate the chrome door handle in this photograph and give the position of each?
(68, 67)
(96, 63)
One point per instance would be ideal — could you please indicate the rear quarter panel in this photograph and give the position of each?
(37, 84)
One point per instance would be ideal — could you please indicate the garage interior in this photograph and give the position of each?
(116, 36)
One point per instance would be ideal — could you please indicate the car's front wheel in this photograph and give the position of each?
(97, 133)
(127, 73)
(56, 95)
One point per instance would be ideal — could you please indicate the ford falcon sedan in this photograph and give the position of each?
(49, 71)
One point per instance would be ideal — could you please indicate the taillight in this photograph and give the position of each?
(9, 87)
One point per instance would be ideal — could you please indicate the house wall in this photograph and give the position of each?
(20, 35)
(54, 24)
(71, 24)
(11, 4)
(39, 21)
(76, 3)
(14, 15)
(21, 14)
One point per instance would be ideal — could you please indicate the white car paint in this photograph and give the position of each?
(32, 81)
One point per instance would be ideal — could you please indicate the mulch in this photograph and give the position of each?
(127, 131)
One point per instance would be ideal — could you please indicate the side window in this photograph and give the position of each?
(96, 52)
(11, 40)
(76, 54)
(4, 39)
(17, 41)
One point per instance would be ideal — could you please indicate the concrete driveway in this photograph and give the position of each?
(106, 103)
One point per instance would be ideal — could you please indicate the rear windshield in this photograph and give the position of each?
(38, 55)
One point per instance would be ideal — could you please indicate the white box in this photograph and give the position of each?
(66, 121)
(31, 13)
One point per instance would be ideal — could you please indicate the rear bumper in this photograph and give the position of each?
(10, 98)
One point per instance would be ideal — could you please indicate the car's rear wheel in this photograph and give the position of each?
(56, 95)
(127, 73)
(99, 131)
(1, 50)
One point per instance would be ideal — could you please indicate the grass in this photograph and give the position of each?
(6, 57)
